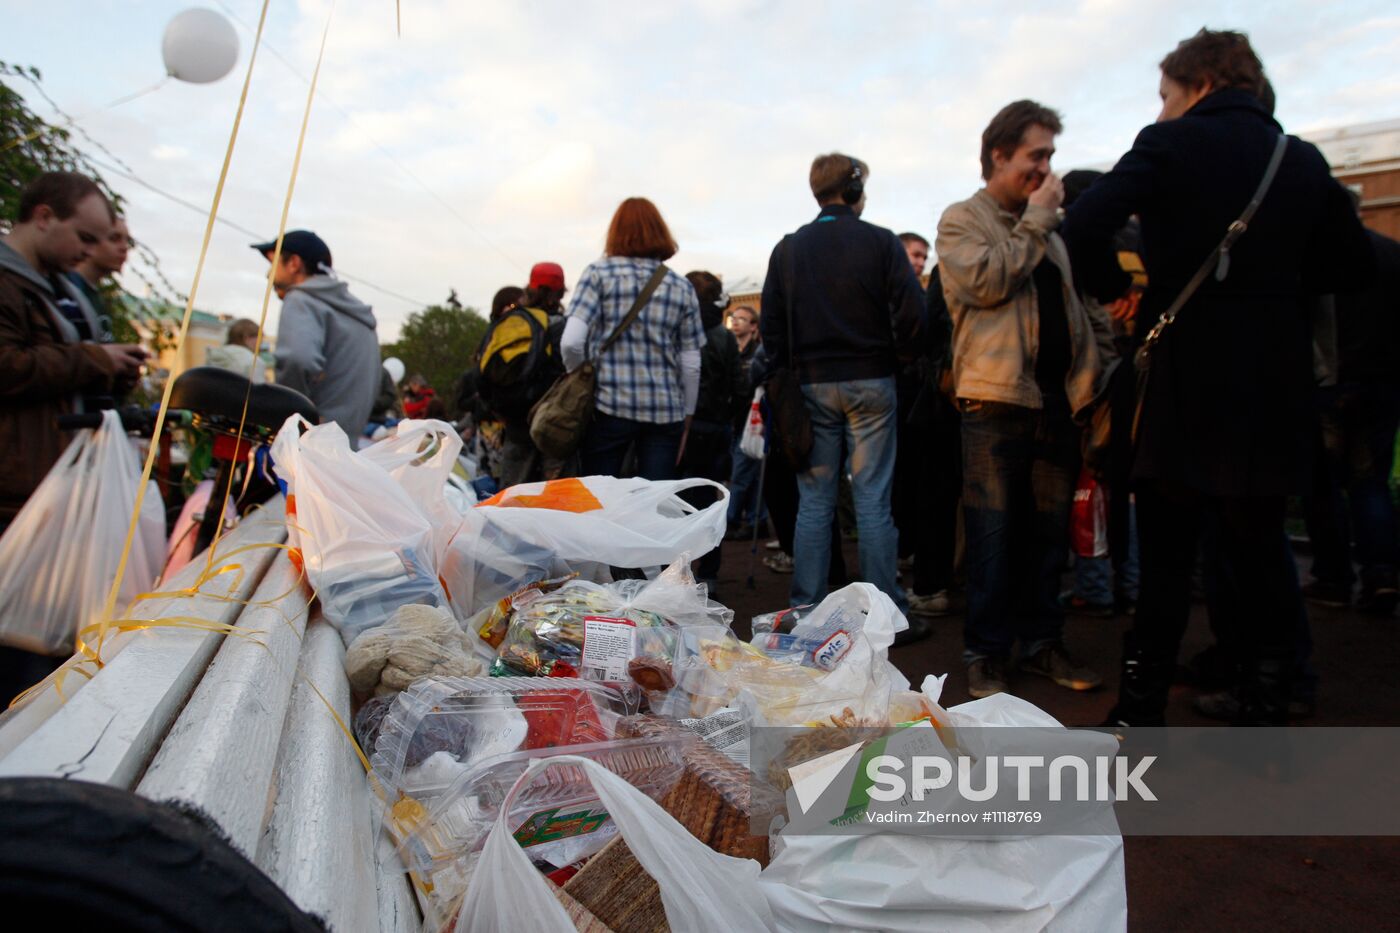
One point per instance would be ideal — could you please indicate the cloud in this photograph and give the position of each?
(493, 134)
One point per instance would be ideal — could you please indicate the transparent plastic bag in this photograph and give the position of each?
(701, 889)
(59, 556)
(831, 666)
(416, 642)
(624, 631)
(466, 718)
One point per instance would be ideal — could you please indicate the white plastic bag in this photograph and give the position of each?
(751, 441)
(420, 456)
(367, 546)
(622, 522)
(702, 890)
(833, 661)
(903, 882)
(59, 556)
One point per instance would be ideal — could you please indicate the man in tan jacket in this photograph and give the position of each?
(1028, 355)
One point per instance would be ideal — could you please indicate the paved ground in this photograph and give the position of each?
(1197, 883)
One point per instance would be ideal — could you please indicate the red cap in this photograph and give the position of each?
(547, 275)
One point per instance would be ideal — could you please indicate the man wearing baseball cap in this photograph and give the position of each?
(513, 378)
(327, 347)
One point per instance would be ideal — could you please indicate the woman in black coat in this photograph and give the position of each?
(1223, 436)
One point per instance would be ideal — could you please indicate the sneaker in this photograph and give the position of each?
(1327, 594)
(1082, 607)
(936, 604)
(779, 563)
(986, 676)
(1053, 661)
(774, 545)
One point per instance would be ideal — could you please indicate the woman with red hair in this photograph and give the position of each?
(648, 376)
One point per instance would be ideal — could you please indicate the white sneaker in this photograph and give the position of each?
(773, 545)
(936, 604)
(779, 563)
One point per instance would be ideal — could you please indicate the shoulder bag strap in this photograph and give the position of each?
(642, 298)
(1220, 256)
(789, 285)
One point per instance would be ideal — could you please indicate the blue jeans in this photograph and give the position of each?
(854, 420)
(608, 439)
(1098, 580)
(1019, 469)
(744, 488)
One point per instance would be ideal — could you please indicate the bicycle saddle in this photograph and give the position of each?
(218, 393)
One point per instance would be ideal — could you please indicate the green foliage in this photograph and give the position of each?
(439, 342)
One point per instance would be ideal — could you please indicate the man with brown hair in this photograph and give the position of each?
(1028, 356)
(844, 290)
(48, 358)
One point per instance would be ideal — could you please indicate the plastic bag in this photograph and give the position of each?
(751, 441)
(420, 456)
(485, 564)
(1088, 522)
(621, 522)
(905, 882)
(468, 718)
(619, 633)
(830, 667)
(60, 554)
(416, 642)
(367, 547)
(559, 820)
(700, 889)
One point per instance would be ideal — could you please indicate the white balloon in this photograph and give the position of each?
(396, 369)
(199, 46)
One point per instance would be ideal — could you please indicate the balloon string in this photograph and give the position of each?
(110, 608)
(72, 121)
(275, 259)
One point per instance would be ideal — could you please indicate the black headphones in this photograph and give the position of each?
(855, 184)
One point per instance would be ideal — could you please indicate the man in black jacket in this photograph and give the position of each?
(1221, 442)
(844, 291)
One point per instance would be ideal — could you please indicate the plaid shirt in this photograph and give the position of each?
(640, 377)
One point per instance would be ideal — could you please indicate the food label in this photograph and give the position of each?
(832, 650)
(560, 823)
(608, 644)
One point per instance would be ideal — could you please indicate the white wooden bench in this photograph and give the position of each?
(238, 729)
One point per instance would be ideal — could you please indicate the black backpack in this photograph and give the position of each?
(518, 362)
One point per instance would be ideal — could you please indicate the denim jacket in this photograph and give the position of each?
(986, 258)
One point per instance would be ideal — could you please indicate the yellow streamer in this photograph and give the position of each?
(111, 605)
(276, 253)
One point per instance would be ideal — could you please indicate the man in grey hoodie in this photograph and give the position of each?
(327, 348)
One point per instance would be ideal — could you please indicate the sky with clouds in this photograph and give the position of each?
(491, 135)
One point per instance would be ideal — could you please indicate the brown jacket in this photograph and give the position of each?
(41, 371)
(987, 258)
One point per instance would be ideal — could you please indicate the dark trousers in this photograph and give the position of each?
(1357, 449)
(609, 438)
(781, 496)
(1019, 469)
(707, 456)
(1261, 617)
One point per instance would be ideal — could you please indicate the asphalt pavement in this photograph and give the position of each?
(1176, 883)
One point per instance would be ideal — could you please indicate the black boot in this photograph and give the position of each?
(1142, 689)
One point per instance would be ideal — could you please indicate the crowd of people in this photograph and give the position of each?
(1201, 332)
